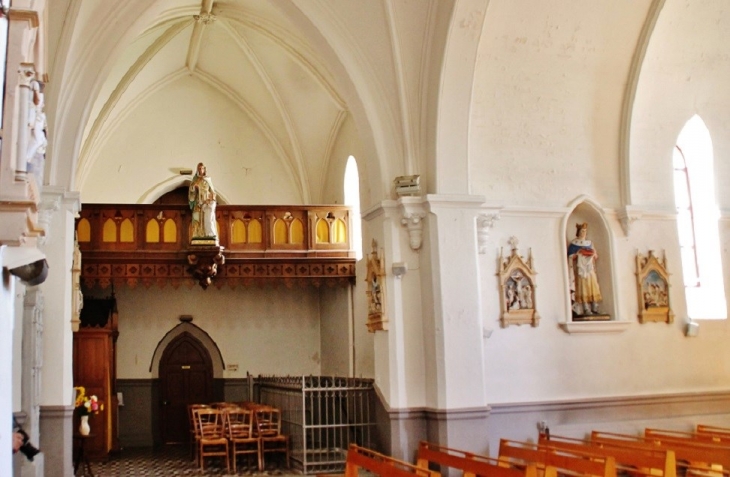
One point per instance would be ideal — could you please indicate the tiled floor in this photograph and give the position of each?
(171, 460)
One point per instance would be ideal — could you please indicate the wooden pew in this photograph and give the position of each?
(470, 464)
(379, 464)
(556, 460)
(713, 429)
(695, 453)
(656, 462)
(688, 436)
(721, 432)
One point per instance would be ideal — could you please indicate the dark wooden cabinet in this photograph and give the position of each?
(94, 368)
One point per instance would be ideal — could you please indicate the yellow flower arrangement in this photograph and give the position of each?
(87, 405)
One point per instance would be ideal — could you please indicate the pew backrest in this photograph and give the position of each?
(379, 464)
(691, 436)
(470, 464)
(695, 453)
(659, 462)
(565, 462)
(713, 430)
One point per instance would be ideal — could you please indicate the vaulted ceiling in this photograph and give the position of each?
(274, 95)
(249, 57)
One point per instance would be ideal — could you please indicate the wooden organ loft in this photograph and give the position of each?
(123, 244)
(150, 244)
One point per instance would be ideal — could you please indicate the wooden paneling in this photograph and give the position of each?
(94, 368)
(253, 255)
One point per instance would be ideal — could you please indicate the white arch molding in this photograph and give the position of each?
(198, 333)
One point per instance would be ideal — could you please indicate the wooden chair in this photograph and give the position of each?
(241, 435)
(224, 405)
(268, 427)
(213, 441)
(194, 433)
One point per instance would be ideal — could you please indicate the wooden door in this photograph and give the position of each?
(186, 377)
(92, 350)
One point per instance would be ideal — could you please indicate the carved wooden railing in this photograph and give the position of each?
(150, 244)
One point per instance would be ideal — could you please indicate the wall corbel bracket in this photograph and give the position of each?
(203, 263)
(627, 216)
(485, 222)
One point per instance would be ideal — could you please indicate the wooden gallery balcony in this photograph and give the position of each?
(150, 244)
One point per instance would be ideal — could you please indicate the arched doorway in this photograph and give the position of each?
(186, 377)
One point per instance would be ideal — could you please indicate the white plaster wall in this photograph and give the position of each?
(336, 346)
(7, 301)
(685, 72)
(348, 143)
(545, 363)
(364, 341)
(263, 330)
(545, 129)
(207, 127)
(18, 347)
(548, 88)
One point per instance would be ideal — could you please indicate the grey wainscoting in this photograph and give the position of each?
(56, 424)
(139, 417)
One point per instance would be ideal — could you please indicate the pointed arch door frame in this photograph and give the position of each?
(186, 377)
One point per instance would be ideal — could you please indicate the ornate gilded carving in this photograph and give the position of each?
(204, 263)
(375, 278)
(652, 282)
(77, 298)
(517, 288)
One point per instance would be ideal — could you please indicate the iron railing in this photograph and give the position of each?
(322, 415)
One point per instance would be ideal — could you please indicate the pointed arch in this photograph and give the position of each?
(584, 209)
(352, 198)
(198, 333)
(697, 222)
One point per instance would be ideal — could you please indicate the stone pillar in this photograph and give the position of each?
(7, 314)
(31, 375)
(59, 209)
(454, 330)
(396, 226)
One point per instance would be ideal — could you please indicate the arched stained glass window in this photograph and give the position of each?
(83, 231)
(352, 199)
(697, 217)
(152, 233)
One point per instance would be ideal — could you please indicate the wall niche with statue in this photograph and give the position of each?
(590, 280)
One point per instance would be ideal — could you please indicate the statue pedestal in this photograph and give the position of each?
(203, 261)
(204, 241)
(592, 317)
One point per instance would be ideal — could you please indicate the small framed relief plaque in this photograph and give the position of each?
(652, 282)
(375, 279)
(517, 288)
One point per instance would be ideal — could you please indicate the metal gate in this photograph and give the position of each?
(322, 415)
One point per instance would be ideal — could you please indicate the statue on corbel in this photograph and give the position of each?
(204, 263)
(77, 297)
(652, 282)
(517, 288)
(375, 293)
